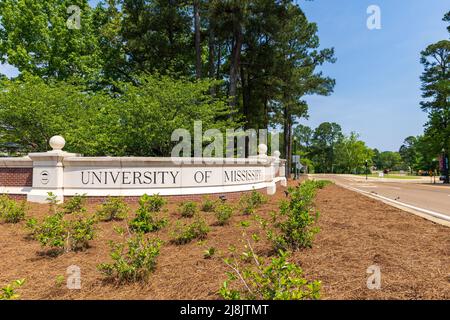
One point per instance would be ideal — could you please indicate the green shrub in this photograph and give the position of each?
(208, 205)
(250, 202)
(294, 226)
(223, 213)
(80, 230)
(57, 233)
(188, 209)
(209, 253)
(11, 211)
(52, 202)
(153, 203)
(113, 209)
(133, 260)
(277, 280)
(75, 204)
(9, 292)
(320, 184)
(257, 198)
(186, 233)
(147, 219)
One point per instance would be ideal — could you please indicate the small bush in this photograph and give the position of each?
(113, 209)
(223, 213)
(250, 202)
(209, 253)
(208, 205)
(188, 209)
(57, 233)
(11, 211)
(9, 292)
(257, 198)
(147, 219)
(294, 226)
(320, 184)
(133, 260)
(52, 202)
(75, 204)
(153, 203)
(277, 280)
(186, 233)
(81, 230)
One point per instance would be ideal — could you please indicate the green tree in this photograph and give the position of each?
(35, 38)
(352, 154)
(157, 35)
(436, 92)
(408, 152)
(139, 122)
(390, 160)
(324, 140)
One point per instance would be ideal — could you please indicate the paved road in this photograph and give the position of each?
(434, 197)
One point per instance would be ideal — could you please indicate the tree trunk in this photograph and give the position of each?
(211, 57)
(246, 105)
(235, 63)
(287, 142)
(219, 59)
(211, 46)
(198, 49)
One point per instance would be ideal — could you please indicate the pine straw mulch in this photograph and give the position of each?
(356, 232)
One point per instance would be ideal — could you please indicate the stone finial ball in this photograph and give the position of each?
(277, 154)
(262, 149)
(57, 142)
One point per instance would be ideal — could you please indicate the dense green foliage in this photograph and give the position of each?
(250, 202)
(223, 213)
(327, 149)
(133, 260)
(138, 122)
(208, 205)
(11, 211)
(227, 63)
(113, 208)
(188, 209)
(147, 218)
(295, 225)
(436, 93)
(185, 233)
(9, 292)
(276, 280)
(63, 234)
(75, 204)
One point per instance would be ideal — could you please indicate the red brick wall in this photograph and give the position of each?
(230, 196)
(16, 177)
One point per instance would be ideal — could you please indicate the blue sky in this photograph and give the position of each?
(377, 91)
(377, 73)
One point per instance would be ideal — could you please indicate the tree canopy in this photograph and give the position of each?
(260, 56)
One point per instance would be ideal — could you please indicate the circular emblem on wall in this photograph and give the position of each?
(44, 177)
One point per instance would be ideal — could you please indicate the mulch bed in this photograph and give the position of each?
(356, 232)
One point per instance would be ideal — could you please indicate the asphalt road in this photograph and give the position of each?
(421, 194)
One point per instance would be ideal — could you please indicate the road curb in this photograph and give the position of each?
(423, 213)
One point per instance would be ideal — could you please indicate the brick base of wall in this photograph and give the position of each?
(18, 197)
(16, 177)
(230, 196)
